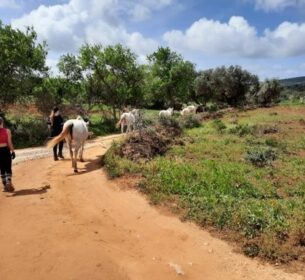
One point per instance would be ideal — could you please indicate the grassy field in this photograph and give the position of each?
(243, 174)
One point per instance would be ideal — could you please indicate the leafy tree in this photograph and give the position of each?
(171, 79)
(22, 64)
(112, 75)
(231, 85)
(50, 93)
(203, 87)
(269, 92)
(238, 83)
(103, 75)
(73, 80)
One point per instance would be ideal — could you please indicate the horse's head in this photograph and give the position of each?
(200, 109)
(85, 120)
(135, 112)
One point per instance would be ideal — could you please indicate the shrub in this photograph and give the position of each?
(242, 129)
(29, 132)
(191, 121)
(171, 126)
(211, 107)
(269, 92)
(145, 145)
(145, 121)
(117, 166)
(218, 125)
(272, 142)
(261, 156)
(169, 121)
(103, 126)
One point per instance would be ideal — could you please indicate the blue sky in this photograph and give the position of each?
(266, 37)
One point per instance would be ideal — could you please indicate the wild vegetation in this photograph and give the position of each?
(244, 178)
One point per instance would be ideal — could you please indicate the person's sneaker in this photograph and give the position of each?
(61, 156)
(56, 158)
(9, 187)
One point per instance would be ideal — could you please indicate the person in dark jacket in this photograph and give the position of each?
(55, 125)
(6, 155)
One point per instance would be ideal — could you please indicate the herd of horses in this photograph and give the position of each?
(129, 119)
(75, 131)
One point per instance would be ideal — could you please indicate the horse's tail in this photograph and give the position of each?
(67, 130)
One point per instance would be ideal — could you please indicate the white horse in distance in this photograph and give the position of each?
(129, 120)
(166, 113)
(188, 110)
(75, 132)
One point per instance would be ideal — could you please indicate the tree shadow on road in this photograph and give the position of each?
(33, 191)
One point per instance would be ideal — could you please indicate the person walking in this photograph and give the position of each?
(55, 125)
(7, 154)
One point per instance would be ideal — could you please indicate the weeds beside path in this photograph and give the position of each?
(243, 176)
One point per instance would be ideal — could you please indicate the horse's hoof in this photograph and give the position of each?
(75, 171)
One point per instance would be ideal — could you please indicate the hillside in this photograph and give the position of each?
(293, 82)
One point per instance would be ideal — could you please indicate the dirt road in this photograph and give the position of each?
(63, 226)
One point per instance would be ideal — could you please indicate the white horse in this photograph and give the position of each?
(166, 113)
(127, 119)
(136, 113)
(188, 110)
(75, 132)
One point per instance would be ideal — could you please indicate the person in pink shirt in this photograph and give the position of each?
(6, 155)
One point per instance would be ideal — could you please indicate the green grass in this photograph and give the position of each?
(101, 125)
(214, 185)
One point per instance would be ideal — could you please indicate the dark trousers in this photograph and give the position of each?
(5, 165)
(60, 147)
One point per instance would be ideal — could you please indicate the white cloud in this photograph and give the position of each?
(277, 5)
(11, 4)
(67, 26)
(238, 38)
(142, 10)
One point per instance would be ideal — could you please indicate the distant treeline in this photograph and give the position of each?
(111, 75)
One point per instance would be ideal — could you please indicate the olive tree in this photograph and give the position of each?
(230, 85)
(269, 92)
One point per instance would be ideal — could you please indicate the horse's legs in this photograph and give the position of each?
(75, 159)
(69, 143)
(81, 152)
